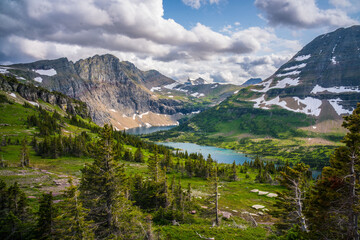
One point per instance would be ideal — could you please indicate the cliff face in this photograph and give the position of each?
(115, 92)
(32, 93)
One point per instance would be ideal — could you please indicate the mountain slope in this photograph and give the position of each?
(321, 80)
(115, 91)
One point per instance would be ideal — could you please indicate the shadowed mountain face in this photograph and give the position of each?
(322, 80)
(115, 91)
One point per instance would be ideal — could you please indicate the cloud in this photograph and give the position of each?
(303, 14)
(197, 3)
(136, 31)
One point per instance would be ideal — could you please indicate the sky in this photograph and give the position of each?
(225, 41)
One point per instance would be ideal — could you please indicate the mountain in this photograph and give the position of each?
(321, 80)
(312, 91)
(116, 92)
(251, 81)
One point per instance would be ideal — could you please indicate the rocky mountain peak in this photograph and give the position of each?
(322, 79)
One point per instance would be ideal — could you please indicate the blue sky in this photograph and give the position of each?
(219, 40)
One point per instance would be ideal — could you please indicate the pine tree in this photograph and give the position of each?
(334, 205)
(103, 193)
(71, 223)
(234, 172)
(13, 212)
(154, 167)
(290, 203)
(216, 186)
(46, 216)
(24, 154)
(139, 156)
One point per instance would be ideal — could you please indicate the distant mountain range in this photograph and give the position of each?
(119, 93)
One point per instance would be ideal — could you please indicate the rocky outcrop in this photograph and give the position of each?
(33, 93)
(108, 86)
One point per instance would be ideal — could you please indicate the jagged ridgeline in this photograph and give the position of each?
(118, 92)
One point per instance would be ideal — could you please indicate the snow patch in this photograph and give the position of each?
(302, 58)
(215, 86)
(49, 72)
(341, 89)
(148, 125)
(171, 96)
(141, 115)
(236, 92)
(13, 95)
(172, 85)
(196, 112)
(38, 79)
(134, 116)
(33, 103)
(334, 49)
(3, 70)
(196, 94)
(288, 74)
(286, 82)
(155, 89)
(266, 86)
(295, 67)
(112, 110)
(312, 105)
(335, 103)
(333, 60)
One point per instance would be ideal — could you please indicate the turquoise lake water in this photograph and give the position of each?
(147, 130)
(219, 154)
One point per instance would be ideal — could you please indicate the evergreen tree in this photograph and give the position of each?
(290, 203)
(103, 192)
(154, 167)
(71, 223)
(139, 156)
(234, 172)
(46, 216)
(24, 154)
(13, 212)
(334, 205)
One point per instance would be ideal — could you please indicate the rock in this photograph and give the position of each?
(254, 190)
(262, 193)
(253, 214)
(205, 207)
(175, 223)
(257, 206)
(261, 213)
(57, 201)
(193, 212)
(272, 195)
(32, 197)
(234, 211)
(226, 215)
